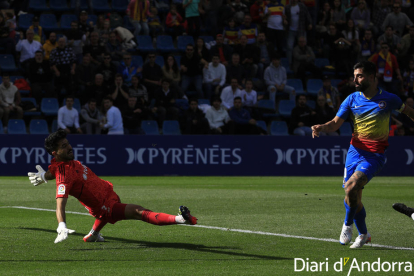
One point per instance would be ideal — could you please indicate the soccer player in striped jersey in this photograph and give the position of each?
(96, 194)
(370, 109)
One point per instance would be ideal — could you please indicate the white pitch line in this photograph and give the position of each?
(230, 230)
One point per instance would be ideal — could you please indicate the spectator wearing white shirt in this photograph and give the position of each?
(214, 77)
(229, 93)
(218, 118)
(249, 96)
(68, 117)
(114, 122)
(27, 47)
(9, 101)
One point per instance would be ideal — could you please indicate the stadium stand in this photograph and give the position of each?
(262, 124)
(286, 107)
(279, 128)
(170, 127)
(145, 43)
(31, 113)
(59, 6)
(57, 15)
(150, 127)
(49, 106)
(38, 126)
(16, 126)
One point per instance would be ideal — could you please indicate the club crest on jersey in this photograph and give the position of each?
(382, 104)
(61, 189)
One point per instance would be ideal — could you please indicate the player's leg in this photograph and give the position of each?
(94, 235)
(403, 209)
(138, 212)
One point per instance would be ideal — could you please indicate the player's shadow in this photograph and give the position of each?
(187, 246)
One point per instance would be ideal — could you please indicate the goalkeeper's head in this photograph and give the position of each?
(52, 141)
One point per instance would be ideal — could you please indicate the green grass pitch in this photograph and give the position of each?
(295, 206)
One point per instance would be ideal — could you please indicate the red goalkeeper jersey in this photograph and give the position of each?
(77, 180)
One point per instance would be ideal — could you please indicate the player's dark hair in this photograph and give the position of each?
(237, 98)
(51, 142)
(367, 67)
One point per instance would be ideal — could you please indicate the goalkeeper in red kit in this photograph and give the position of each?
(96, 194)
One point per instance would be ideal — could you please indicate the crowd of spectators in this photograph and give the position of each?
(256, 47)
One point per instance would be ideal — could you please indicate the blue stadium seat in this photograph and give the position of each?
(262, 124)
(83, 4)
(1, 127)
(178, 60)
(48, 22)
(182, 104)
(7, 63)
(66, 20)
(183, 41)
(313, 86)
(171, 128)
(297, 84)
(59, 6)
(145, 43)
(49, 106)
(119, 5)
(268, 108)
(335, 82)
(76, 104)
(285, 108)
(165, 44)
(38, 126)
(150, 127)
(204, 101)
(137, 61)
(311, 103)
(54, 126)
(25, 21)
(101, 6)
(16, 126)
(207, 38)
(31, 113)
(279, 128)
(269, 105)
(345, 129)
(38, 6)
(159, 60)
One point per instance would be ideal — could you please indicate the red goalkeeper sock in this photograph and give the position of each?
(98, 225)
(158, 218)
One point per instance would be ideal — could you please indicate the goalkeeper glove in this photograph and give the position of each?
(63, 232)
(39, 177)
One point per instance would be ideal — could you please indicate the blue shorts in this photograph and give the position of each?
(364, 161)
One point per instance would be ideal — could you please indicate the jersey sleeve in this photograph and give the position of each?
(396, 103)
(345, 108)
(63, 184)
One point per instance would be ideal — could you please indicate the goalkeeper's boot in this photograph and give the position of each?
(361, 240)
(346, 234)
(93, 238)
(402, 208)
(185, 213)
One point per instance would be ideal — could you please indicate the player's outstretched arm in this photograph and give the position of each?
(62, 230)
(330, 126)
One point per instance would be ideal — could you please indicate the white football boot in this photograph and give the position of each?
(346, 234)
(361, 240)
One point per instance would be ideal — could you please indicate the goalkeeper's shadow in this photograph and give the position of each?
(186, 246)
